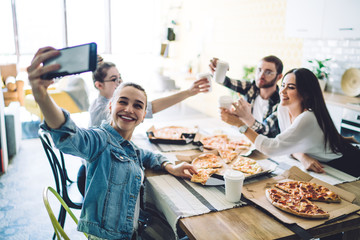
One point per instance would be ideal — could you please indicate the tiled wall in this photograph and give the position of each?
(344, 54)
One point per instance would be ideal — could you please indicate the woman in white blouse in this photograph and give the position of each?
(307, 130)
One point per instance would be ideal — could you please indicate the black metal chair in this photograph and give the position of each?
(62, 181)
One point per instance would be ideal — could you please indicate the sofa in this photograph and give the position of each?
(69, 93)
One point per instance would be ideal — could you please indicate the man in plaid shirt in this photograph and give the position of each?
(262, 94)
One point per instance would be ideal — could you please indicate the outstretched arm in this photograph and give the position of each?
(309, 163)
(179, 170)
(198, 86)
(53, 115)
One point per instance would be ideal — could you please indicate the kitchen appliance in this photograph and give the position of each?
(350, 124)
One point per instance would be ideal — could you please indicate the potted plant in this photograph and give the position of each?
(321, 71)
(249, 75)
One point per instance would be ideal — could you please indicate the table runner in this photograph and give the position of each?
(332, 175)
(177, 198)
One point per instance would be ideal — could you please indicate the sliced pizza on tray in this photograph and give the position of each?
(207, 160)
(228, 155)
(295, 204)
(215, 142)
(172, 132)
(246, 165)
(206, 164)
(311, 191)
(203, 175)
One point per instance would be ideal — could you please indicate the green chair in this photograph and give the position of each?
(59, 231)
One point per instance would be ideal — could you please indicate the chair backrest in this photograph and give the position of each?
(58, 168)
(59, 231)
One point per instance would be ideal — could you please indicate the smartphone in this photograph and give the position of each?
(73, 60)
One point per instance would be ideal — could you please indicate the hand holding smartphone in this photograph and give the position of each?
(73, 60)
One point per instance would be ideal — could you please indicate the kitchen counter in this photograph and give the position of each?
(342, 101)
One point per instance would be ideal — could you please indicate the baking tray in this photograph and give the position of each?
(267, 165)
(243, 152)
(186, 138)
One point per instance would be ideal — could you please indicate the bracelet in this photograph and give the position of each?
(165, 164)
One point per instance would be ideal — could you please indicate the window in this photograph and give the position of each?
(86, 21)
(7, 46)
(135, 29)
(40, 23)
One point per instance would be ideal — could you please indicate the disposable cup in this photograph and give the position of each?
(205, 75)
(220, 71)
(225, 102)
(234, 181)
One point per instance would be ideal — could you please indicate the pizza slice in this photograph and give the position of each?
(294, 204)
(239, 144)
(171, 132)
(227, 155)
(215, 142)
(311, 191)
(203, 175)
(246, 165)
(207, 160)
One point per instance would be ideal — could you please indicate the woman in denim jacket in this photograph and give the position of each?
(115, 165)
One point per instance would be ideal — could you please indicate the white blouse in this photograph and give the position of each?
(304, 135)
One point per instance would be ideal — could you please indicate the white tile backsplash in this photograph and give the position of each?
(344, 54)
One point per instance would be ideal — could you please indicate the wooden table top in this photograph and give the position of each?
(251, 222)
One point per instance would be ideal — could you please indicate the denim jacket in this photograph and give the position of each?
(113, 176)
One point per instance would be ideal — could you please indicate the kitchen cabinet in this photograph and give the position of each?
(323, 19)
(336, 104)
(336, 113)
(304, 18)
(341, 19)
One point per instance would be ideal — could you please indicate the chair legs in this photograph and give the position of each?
(61, 219)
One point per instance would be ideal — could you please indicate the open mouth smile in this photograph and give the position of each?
(127, 118)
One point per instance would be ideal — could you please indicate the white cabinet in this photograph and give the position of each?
(304, 18)
(328, 19)
(341, 19)
(336, 113)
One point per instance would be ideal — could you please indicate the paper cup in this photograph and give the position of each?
(234, 181)
(205, 75)
(225, 102)
(220, 71)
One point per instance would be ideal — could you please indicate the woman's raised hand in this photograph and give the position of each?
(36, 70)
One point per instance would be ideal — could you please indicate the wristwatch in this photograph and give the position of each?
(243, 128)
(165, 164)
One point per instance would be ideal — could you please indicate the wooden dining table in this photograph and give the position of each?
(253, 222)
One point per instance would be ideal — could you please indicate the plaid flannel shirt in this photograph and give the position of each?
(269, 126)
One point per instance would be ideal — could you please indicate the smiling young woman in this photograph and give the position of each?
(307, 130)
(115, 165)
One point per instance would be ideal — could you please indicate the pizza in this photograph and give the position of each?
(171, 132)
(207, 160)
(238, 144)
(246, 165)
(215, 142)
(203, 175)
(223, 142)
(311, 191)
(295, 204)
(227, 155)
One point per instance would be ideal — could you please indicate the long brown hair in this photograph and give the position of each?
(308, 87)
